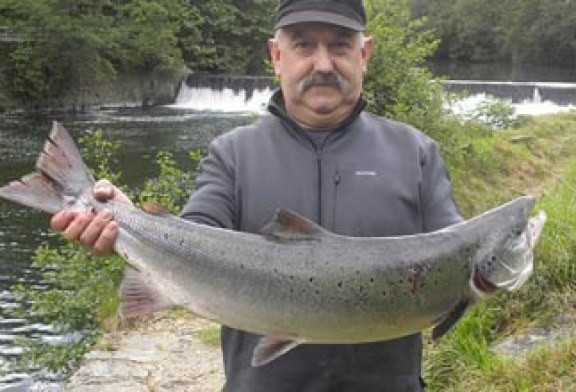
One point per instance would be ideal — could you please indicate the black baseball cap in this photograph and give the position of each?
(345, 13)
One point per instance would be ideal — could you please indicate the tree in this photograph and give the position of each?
(398, 84)
(519, 30)
(227, 36)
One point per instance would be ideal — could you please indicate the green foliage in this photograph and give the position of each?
(210, 336)
(538, 159)
(99, 154)
(172, 187)
(80, 285)
(61, 51)
(519, 30)
(398, 84)
(495, 113)
(81, 288)
(71, 47)
(78, 294)
(228, 36)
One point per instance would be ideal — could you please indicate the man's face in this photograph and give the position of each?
(321, 68)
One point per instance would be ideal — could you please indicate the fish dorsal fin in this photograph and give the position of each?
(139, 295)
(270, 348)
(289, 226)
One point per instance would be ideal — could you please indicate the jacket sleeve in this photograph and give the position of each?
(213, 202)
(438, 207)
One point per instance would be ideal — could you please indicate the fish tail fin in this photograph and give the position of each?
(60, 179)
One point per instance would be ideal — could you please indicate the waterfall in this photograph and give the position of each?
(518, 92)
(250, 94)
(224, 93)
(536, 96)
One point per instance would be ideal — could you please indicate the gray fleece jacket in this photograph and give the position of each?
(370, 177)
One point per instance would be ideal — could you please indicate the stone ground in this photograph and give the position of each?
(165, 353)
(157, 354)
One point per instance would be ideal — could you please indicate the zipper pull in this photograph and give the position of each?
(337, 178)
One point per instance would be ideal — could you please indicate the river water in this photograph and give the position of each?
(142, 134)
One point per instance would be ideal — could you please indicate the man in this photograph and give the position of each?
(318, 153)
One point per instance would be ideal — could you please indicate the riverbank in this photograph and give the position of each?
(162, 353)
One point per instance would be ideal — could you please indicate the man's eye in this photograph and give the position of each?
(302, 44)
(342, 45)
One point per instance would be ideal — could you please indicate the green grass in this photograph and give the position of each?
(536, 158)
(210, 336)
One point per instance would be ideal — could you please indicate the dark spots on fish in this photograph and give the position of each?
(291, 277)
(384, 293)
(311, 279)
(165, 236)
(416, 278)
(371, 280)
(357, 272)
(339, 284)
(361, 288)
(181, 242)
(317, 292)
(275, 270)
(241, 266)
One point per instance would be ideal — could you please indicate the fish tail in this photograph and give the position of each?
(60, 180)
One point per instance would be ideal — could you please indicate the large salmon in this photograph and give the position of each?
(296, 282)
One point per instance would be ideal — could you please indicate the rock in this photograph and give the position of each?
(520, 345)
(159, 354)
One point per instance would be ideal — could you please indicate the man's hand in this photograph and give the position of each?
(519, 265)
(97, 232)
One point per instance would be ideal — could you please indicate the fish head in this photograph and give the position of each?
(506, 257)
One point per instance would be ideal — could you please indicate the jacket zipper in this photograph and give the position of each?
(319, 171)
(337, 181)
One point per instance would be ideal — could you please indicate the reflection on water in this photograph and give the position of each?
(142, 133)
(463, 70)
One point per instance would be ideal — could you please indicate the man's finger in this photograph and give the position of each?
(93, 230)
(104, 245)
(77, 225)
(61, 220)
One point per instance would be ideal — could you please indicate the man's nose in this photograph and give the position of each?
(323, 61)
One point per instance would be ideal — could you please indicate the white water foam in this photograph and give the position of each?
(225, 100)
(466, 107)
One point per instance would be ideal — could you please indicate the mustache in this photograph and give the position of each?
(330, 79)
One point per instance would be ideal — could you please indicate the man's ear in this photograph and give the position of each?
(366, 53)
(274, 55)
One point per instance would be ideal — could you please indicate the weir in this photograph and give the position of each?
(227, 93)
(518, 92)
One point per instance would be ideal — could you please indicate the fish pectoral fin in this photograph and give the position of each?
(270, 348)
(289, 226)
(139, 295)
(450, 319)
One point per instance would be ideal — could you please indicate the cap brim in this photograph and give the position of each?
(320, 17)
